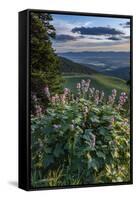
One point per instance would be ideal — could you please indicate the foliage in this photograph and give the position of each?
(44, 62)
(81, 139)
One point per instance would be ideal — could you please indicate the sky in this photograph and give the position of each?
(89, 33)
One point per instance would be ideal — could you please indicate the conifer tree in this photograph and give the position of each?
(44, 61)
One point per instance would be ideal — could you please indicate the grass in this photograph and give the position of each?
(98, 81)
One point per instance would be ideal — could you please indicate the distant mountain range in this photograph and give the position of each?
(109, 63)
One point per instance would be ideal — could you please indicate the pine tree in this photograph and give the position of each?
(44, 61)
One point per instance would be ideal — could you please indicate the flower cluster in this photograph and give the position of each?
(91, 90)
(56, 126)
(34, 98)
(112, 98)
(97, 97)
(123, 98)
(83, 91)
(78, 86)
(38, 110)
(85, 85)
(112, 121)
(66, 91)
(46, 91)
(101, 96)
(62, 98)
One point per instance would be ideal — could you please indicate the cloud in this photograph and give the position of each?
(125, 25)
(97, 31)
(65, 38)
(128, 23)
(114, 38)
(126, 37)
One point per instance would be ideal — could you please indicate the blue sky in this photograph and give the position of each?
(88, 33)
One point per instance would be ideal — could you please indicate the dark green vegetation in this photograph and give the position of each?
(44, 62)
(81, 141)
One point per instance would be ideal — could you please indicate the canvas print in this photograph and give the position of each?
(80, 99)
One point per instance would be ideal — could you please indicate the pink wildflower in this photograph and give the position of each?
(86, 110)
(38, 110)
(114, 92)
(78, 86)
(46, 91)
(53, 100)
(56, 126)
(66, 91)
(62, 98)
(34, 98)
(122, 99)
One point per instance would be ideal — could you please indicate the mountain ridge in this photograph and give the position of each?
(68, 66)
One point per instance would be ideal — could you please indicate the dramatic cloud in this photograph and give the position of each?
(65, 38)
(125, 25)
(97, 31)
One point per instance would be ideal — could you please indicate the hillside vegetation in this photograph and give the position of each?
(68, 66)
(99, 81)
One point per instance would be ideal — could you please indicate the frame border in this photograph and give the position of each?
(25, 138)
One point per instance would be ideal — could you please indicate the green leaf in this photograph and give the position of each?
(48, 160)
(88, 131)
(100, 154)
(103, 131)
(107, 118)
(87, 134)
(77, 120)
(92, 163)
(48, 150)
(58, 150)
(94, 118)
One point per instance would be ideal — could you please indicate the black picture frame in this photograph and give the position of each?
(24, 176)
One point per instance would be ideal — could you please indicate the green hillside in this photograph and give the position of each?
(68, 66)
(75, 72)
(98, 81)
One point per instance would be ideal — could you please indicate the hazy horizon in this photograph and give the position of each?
(93, 52)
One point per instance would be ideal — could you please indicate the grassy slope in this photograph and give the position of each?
(99, 81)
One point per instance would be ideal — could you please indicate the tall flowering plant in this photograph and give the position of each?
(81, 138)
